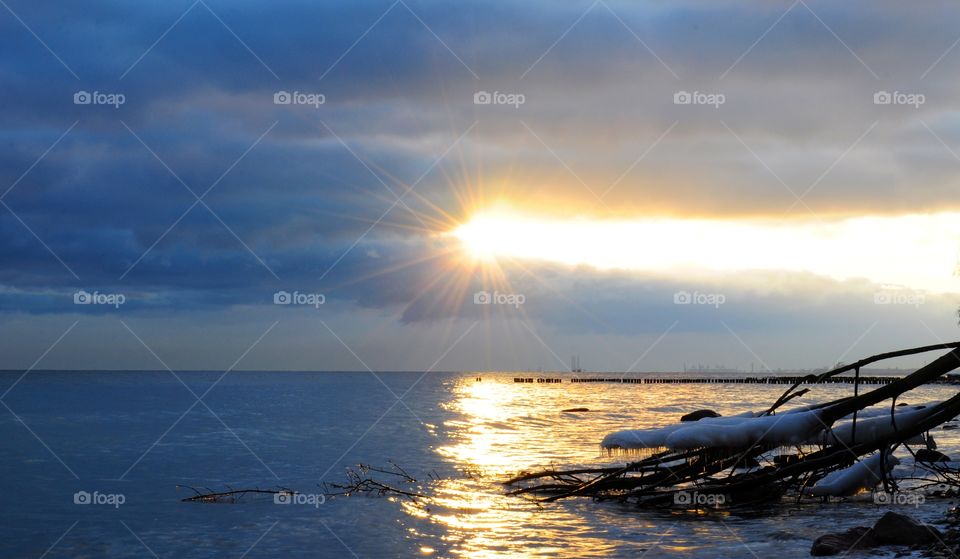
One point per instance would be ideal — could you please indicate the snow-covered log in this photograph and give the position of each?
(865, 474)
(769, 430)
(657, 437)
(874, 424)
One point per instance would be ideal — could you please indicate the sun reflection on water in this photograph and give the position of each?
(501, 429)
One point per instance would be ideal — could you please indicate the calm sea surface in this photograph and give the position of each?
(136, 436)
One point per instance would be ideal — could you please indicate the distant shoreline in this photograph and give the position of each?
(581, 374)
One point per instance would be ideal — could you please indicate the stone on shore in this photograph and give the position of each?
(698, 415)
(860, 537)
(899, 529)
(892, 529)
(927, 455)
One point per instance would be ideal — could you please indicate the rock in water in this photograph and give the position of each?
(892, 529)
(927, 455)
(860, 537)
(574, 410)
(899, 529)
(698, 415)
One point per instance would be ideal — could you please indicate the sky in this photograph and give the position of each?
(414, 185)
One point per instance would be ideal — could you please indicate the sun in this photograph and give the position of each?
(483, 236)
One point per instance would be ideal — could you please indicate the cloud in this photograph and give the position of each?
(599, 134)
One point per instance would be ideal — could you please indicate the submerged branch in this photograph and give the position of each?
(360, 482)
(229, 496)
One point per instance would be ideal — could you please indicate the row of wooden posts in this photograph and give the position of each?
(951, 379)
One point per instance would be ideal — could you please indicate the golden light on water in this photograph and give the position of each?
(918, 251)
(496, 426)
(499, 428)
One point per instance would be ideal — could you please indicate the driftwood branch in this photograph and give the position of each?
(360, 482)
(228, 496)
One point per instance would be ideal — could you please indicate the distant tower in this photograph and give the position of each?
(575, 364)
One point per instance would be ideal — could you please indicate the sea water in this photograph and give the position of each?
(95, 464)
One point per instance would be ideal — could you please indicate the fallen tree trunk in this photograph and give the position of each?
(697, 452)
